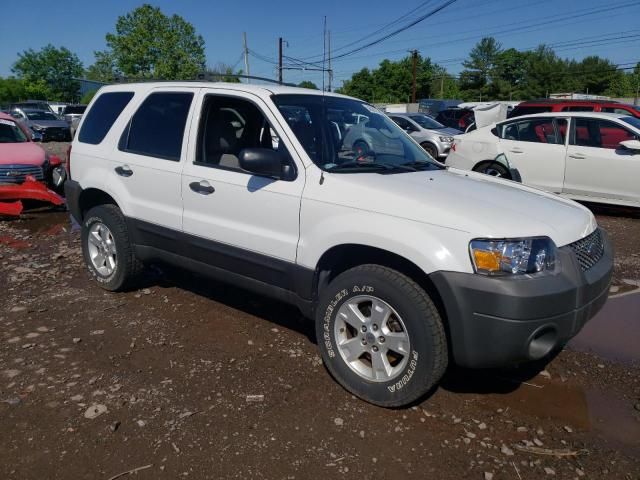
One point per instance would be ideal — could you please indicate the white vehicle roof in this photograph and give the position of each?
(260, 90)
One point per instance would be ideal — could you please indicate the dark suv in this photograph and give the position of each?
(560, 105)
(459, 118)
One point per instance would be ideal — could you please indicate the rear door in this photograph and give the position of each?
(597, 166)
(147, 163)
(536, 146)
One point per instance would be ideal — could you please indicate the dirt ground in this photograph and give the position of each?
(187, 377)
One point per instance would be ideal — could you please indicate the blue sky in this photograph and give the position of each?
(613, 31)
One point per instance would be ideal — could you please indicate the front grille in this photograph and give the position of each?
(588, 250)
(56, 132)
(16, 173)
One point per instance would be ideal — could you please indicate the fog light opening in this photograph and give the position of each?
(542, 342)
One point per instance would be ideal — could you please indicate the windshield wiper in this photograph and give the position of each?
(373, 165)
(418, 164)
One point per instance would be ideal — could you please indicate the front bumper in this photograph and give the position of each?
(501, 321)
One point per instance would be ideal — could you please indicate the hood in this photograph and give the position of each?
(481, 205)
(26, 153)
(48, 123)
(448, 131)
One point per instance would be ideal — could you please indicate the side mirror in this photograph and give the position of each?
(633, 145)
(36, 136)
(262, 161)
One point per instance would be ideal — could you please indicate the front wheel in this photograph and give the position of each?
(430, 149)
(381, 336)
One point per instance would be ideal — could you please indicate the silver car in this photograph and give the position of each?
(434, 137)
(44, 123)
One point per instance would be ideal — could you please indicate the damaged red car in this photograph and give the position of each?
(27, 172)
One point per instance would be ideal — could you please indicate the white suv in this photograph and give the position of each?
(403, 265)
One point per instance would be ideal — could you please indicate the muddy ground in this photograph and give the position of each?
(192, 378)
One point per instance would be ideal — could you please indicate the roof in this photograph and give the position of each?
(563, 100)
(241, 87)
(602, 115)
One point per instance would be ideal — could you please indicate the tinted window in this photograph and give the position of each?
(103, 113)
(402, 122)
(157, 128)
(426, 122)
(634, 121)
(538, 130)
(518, 111)
(578, 108)
(228, 125)
(619, 111)
(599, 133)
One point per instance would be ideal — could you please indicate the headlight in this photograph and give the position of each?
(446, 139)
(513, 256)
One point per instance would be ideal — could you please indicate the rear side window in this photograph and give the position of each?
(103, 113)
(618, 111)
(578, 108)
(157, 128)
(518, 111)
(536, 130)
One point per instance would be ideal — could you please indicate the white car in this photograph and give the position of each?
(581, 155)
(401, 264)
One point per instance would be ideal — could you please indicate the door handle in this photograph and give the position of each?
(516, 150)
(124, 171)
(202, 187)
(578, 156)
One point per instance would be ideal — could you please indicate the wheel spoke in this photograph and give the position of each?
(110, 262)
(352, 349)
(380, 312)
(380, 365)
(353, 316)
(397, 342)
(99, 260)
(94, 239)
(104, 233)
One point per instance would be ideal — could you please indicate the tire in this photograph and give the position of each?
(430, 149)
(493, 169)
(407, 376)
(112, 241)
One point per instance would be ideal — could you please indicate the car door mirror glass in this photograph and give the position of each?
(262, 161)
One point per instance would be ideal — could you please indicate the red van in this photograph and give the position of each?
(560, 105)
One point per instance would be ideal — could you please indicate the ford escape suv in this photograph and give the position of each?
(404, 265)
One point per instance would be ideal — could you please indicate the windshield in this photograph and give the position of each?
(10, 132)
(633, 121)
(346, 135)
(41, 116)
(427, 122)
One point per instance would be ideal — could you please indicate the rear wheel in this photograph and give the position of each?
(107, 249)
(493, 169)
(380, 336)
(430, 149)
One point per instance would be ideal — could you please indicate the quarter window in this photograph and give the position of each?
(101, 116)
(578, 108)
(590, 132)
(618, 111)
(157, 128)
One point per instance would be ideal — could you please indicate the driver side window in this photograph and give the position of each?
(229, 125)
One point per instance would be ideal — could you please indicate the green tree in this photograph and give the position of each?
(148, 44)
(308, 84)
(15, 89)
(480, 67)
(104, 68)
(87, 97)
(57, 67)
(222, 72)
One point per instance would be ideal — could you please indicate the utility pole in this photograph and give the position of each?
(329, 53)
(280, 60)
(413, 82)
(246, 55)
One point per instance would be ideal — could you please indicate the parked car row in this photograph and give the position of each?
(45, 123)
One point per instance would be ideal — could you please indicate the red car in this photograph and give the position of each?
(560, 105)
(26, 170)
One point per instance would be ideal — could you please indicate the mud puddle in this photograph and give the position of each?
(614, 333)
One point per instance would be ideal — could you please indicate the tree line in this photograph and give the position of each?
(147, 44)
(492, 72)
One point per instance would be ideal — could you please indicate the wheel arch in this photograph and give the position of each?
(482, 163)
(92, 197)
(343, 257)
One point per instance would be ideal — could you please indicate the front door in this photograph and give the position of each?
(598, 166)
(233, 219)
